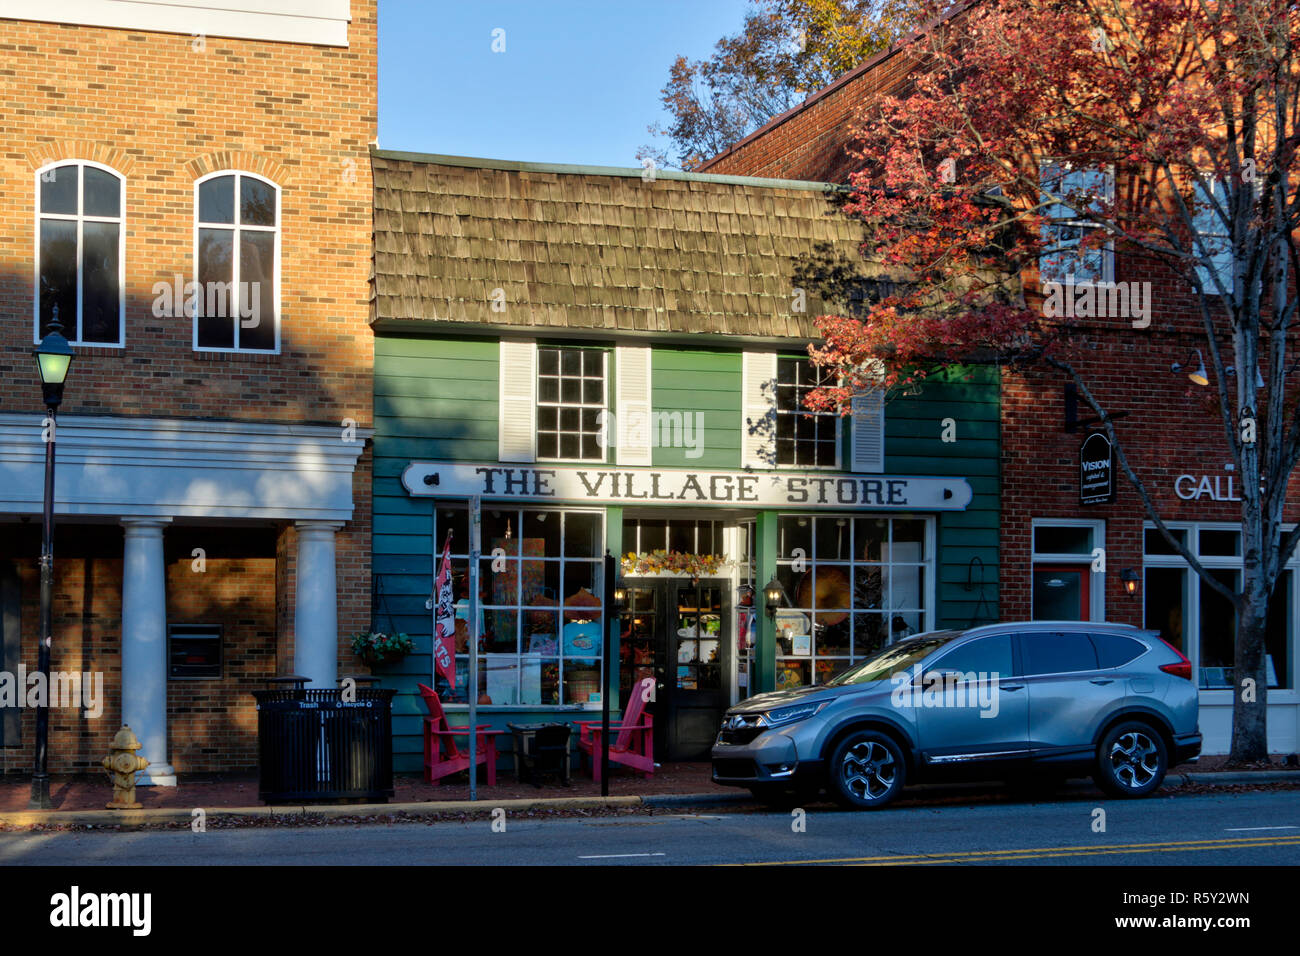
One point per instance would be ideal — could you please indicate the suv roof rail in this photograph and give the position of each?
(1036, 625)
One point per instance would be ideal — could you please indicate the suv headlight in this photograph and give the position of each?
(788, 715)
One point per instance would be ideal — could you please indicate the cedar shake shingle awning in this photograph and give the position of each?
(603, 250)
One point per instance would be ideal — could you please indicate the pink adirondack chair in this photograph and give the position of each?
(634, 745)
(441, 755)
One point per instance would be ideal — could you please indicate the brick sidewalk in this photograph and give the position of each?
(88, 792)
(210, 791)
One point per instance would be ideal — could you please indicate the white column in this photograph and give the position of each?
(144, 645)
(315, 613)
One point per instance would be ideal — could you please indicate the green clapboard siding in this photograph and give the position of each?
(914, 445)
(434, 398)
(704, 387)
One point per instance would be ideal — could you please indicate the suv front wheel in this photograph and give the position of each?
(1131, 761)
(866, 770)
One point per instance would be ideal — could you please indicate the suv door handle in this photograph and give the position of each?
(1011, 686)
(1102, 680)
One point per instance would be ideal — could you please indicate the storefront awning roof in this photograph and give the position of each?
(598, 248)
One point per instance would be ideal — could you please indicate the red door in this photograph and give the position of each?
(1061, 592)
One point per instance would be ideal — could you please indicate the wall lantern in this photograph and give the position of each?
(1198, 376)
(1130, 579)
(620, 595)
(773, 596)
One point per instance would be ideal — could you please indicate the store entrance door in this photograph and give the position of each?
(678, 632)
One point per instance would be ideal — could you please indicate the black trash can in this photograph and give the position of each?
(313, 746)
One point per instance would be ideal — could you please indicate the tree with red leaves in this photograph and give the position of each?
(988, 188)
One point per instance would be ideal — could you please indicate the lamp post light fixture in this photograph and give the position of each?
(1130, 579)
(53, 356)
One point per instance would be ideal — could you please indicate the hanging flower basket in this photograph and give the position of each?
(375, 647)
(676, 563)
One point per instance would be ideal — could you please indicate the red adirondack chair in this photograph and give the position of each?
(441, 755)
(634, 745)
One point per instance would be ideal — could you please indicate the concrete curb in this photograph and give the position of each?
(113, 818)
(1242, 776)
(695, 799)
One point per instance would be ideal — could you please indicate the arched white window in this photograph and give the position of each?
(236, 303)
(80, 252)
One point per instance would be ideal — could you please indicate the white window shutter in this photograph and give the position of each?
(517, 372)
(632, 405)
(758, 410)
(868, 408)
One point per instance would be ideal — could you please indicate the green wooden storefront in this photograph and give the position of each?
(681, 289)
(436, 398)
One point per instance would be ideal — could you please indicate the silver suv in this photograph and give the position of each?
(1063, 698)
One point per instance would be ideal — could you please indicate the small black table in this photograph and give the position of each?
(541, 749)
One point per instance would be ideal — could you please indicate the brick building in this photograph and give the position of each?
(1172, 433)
(213, 478)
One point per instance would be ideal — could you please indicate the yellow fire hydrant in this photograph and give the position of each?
(122, 764)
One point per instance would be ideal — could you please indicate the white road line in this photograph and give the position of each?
(1246, 829)
(617, 856)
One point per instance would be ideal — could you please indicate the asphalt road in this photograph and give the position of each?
(1253, 828)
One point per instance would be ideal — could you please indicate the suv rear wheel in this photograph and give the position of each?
(1131, 761)
(866, 770)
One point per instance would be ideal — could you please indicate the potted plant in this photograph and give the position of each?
(375, 647)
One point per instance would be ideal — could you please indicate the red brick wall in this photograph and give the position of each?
(86, 627)
(212, 724)
(809, 142)
(163, 115)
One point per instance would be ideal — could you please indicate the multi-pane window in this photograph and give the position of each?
(571, 395)
(540, 605)
(237, 254)
(645, 535)
(1201, 622)
(804, 438)
(851, 584)
(1073, 196)
(79, 253)
(1212, 244)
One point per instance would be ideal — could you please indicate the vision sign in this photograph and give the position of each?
(1096, 470)
(679, 486)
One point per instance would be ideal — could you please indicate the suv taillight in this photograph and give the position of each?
(1181, 669)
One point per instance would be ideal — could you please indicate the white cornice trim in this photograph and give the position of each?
(314, 22)
(123, 467)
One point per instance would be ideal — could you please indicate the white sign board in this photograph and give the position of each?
(600, 484)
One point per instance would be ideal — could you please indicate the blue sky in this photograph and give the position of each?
(578, 82)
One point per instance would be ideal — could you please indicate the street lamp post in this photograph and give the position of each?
(53, 356)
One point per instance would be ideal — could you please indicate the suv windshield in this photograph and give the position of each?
(897, 657)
